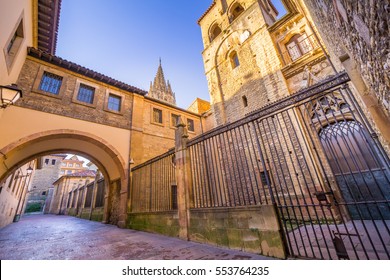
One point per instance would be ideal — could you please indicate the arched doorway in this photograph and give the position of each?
(105, 156)
(353, 157)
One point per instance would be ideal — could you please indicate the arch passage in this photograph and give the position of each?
(106, 157)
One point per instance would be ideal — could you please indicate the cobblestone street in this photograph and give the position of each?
(51, 237)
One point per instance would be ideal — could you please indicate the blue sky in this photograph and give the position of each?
(124, 39)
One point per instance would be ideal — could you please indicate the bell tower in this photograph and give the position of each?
(240, 59)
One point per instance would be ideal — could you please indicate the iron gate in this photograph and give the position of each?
(339, 210)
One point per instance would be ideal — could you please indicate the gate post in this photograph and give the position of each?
(183, 178)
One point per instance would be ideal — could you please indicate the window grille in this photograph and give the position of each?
(50, 83)
(86, 94)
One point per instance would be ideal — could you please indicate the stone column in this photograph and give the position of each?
(84, 197)
(183, 178)
(94, 193)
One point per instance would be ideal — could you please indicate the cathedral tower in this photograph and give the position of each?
(161, 89)
(251, 58)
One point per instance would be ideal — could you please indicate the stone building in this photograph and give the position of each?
(72, 165)
(251, 59)
(65, 185)
(44, 176)
(356, 34)
(13, 191)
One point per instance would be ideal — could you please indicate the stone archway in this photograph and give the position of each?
(106, 157)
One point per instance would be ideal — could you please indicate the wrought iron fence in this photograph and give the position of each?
(100, 193)
(88, 195)
(154, 185)
(314, 155)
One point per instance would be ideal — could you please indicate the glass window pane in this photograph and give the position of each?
(114, 102)
(86, 94)
(50, 83)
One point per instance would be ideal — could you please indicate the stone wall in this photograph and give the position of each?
(250, 229)
(360, 29)
(66, 103)
(162, 222)
(150, 139)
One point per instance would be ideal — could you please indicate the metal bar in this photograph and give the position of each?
(301, 168)
(338, 164)
(219, 159)
(216, 185)
(233, 181)
(252, 164)
(288, 175)
(247, 166)
(267, 179)
(236, 163)
(276, 193)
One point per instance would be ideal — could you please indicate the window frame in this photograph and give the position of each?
(212, 35)
(171, 119)
(152, 116)
(193, 124)
(301, 49)
(110, 92)
(234, 60)
(54, 81)
(38, 79)
(232, 15)
(14, 43)
(80, 84)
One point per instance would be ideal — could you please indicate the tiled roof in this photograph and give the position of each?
(82, 70)
(84, 173)
(208, 10)
(48, 21)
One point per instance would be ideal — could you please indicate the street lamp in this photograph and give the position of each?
(29, 170)
(9, 95)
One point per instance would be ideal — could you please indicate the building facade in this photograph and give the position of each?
(13, 192)
(44, 176)
(64, 186)
(72, 165)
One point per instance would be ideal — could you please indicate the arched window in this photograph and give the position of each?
(347, 146)
(215, 30)
(235, 11)
(298, 45)
(235, 62)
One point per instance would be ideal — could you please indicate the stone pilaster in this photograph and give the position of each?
(183, 178)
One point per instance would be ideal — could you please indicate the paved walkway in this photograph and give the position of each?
(51, 237)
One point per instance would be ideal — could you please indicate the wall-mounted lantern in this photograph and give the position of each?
(9, 95)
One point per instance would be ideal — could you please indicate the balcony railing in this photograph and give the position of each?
(299, 48)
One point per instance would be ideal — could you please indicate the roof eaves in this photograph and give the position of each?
(83, 70)
(207, 11)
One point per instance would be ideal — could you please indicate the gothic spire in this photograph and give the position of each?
(160, 89)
